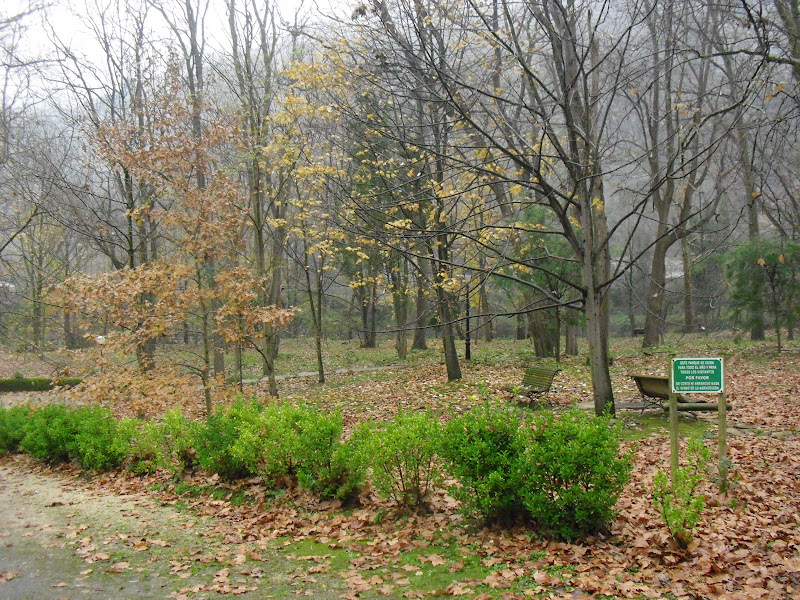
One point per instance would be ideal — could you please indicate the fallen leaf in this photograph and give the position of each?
(118, 567)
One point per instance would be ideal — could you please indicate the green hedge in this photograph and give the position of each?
(561, 474)
(482, 450)
(36, 384)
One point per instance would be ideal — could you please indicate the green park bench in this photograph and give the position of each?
(536, 382)
(654, 391)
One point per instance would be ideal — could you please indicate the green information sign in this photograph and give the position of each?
(698, 375)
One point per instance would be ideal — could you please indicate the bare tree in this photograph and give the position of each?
(16, 99)
(672, 101)
(108, 206)
(258, 51)
(535, 99)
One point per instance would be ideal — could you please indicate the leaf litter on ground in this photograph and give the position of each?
(747, 544)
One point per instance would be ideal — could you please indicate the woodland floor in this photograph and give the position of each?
(117, 535)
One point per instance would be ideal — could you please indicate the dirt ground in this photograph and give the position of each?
(54, 540)
(66, 537)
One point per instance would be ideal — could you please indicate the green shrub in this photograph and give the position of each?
(680, 507)
(14, 423)
(95, 436)
(35, 384)
(482, 450)
(573, 473)
(58, 433)
(324, 465)
(219, 442)
(401, 455)
(282, 442)
(266, 443)
(52, 434)
(140, 443)
(179, 436)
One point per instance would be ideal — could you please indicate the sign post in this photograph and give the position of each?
(700, 376)
(673, 429)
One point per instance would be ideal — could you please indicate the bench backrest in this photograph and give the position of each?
(539, 378)
(652, 386)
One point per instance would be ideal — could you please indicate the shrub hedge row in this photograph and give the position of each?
(563, 474)
(36, 384)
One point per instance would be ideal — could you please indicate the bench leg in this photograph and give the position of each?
(648, 402)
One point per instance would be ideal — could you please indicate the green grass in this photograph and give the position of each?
(298, 355)
(338, 559)
(637, 427)
(428, 569)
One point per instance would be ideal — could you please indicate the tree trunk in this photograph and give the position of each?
(595, 270)
(688, 312)
(485, 322)
(205, 371)
(631, 301)
(520, 330)
(315, 303)
(656, 289)
(270, 352)
(369, 315)
(571, 348)
(757, 325)
(439, 268)
(38, 312)
(420, 341)
(399, 280)
(239, 367)
(401, 335)
(69, 335)
(448, 338)
(271, 340)
(597, 335)
(219, 356)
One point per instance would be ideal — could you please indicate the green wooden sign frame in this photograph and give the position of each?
(698, 376)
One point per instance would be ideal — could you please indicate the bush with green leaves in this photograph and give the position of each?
(401, 454)
(179, 437)
(573, 472)
(51, 434)
(218, 443)
(324, 464)
(140, 441)
(13, 427)
(18, 383)
(680, 505)
(96, 432)
(265, 442)
(482, 450)
(764, 282)
(58, 433)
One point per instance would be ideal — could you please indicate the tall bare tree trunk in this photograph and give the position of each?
(688, 312)
(421, 314)
(571, 343)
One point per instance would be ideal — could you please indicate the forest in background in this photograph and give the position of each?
(218, 175)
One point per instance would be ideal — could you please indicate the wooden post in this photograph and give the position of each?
(673, 437)
(467, 333)
(673, 430)
(722, 412)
